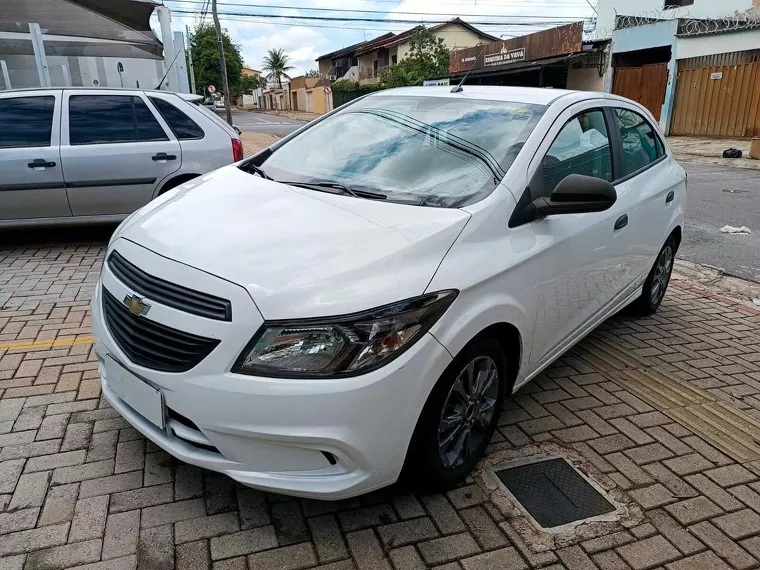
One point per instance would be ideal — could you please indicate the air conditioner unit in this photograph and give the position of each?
(332, 77)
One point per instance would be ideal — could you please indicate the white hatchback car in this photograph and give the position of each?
(360, 297)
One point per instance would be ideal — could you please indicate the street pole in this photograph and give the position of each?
(220, 47)
(190, 61)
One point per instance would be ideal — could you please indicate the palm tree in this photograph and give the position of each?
(276, 65)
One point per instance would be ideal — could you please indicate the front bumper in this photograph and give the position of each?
(328, 439)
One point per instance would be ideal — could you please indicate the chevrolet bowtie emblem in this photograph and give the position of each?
(136, 305)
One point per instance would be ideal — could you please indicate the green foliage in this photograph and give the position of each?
(276, 65)
(249, 83)
(346, 85)
(312, 73)
(428, 57)
(208, 70)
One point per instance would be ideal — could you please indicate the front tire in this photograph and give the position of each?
(657, 281)
(459, 417)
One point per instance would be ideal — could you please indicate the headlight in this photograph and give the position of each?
(341, 346)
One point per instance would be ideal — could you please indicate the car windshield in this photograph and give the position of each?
(432, 151)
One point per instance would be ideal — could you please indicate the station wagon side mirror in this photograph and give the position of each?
(575, 194)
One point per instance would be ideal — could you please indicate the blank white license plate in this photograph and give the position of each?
(138, 394)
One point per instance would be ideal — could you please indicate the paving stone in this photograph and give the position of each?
(448, 548)
(327, 538)
(59, 504)
(289, 523)
(365, 517)
(64, 556)
(89, 518)
(188, 482)
(467, 496)
(155, 550)
(12, 562)
(694, 510)
(574, 557)
(158, 469)
(141, 498)
(30, 491)
(504, 558)
(130, 456)
(193, 555)
(611, 443)
(407, 506)
(406, 558)
(673, 482)
(295, 557)
(407, 532)
(483, 528)
(33, 539)
(443, 514)
(18, 520)
(713, 492)
(676, 534)
(77, 436)
(205, 527)
(252, 507)
(102, 446)
(49, 462)
(122, 533)
(703, 561)
(605, 542)
(9, 474)
(652, 496)
(740, 524)
(172, 512)
(366, 550)
(730, 475)
(243, 542)
(75, 473)
(723, 546)
(688, 464)
(239, 563)
(110, 484)
(648, 553)
(610, 560)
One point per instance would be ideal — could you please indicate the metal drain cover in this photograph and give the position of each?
(554, 493)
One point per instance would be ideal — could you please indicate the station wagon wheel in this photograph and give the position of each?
(657, 282)
(459, 417)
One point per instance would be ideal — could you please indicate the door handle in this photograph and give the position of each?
(164, 156)
(621, 222)
(40, 163)
(671, 197)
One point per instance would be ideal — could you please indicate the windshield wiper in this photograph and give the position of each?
(250, 167)
(342, 188)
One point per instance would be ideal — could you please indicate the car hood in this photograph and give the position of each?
(299, 253)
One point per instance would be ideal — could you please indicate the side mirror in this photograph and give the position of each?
(575, 194)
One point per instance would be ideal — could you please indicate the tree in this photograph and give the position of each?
(276, 65)
(206, 59)
(312, 73)
(428, 56)
(248, 83)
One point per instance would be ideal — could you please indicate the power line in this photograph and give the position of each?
(282, 7)
(382, 20)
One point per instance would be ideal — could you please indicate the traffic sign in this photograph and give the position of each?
(328, 90)
(211, 89)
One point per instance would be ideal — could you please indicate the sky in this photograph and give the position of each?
(305, 40)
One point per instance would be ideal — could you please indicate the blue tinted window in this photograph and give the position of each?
(26, 121)
(98, 119)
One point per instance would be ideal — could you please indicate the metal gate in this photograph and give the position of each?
(717, 98)
(645, 85)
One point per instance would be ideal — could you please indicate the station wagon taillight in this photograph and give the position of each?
(237, 150)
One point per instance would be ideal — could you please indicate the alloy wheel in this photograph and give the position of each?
(468, 411)
(661, 274)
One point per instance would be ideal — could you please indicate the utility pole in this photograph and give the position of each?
(220, 46)
(190, 61)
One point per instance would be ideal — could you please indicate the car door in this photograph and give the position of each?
(652, 183)
(31, 178)
(579, 257)
(115, 152)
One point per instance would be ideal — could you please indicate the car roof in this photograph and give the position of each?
(525, 95)
(188, 96)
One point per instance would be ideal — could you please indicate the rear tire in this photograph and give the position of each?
(657, 281)
(459, 417)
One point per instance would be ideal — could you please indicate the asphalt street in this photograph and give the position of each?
(265, 123)
(718, 196)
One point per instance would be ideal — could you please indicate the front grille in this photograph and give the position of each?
(151, 344)
(170, 294)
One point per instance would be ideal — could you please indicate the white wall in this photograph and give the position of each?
(718, 43)
(585, 79)
(606, 10)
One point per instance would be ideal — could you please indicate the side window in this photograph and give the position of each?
(581, 147)
(102, 119)
(183, 126)
(26, 121)
(641, 144)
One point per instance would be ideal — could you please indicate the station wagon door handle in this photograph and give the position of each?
(164, 156)
(671, 197)
(621, 222)
(40, 163)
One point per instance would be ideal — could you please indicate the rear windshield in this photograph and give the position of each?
(434, 151)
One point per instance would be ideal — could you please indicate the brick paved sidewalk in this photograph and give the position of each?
(662, 413)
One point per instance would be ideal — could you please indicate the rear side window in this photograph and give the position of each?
(581, 147)
(641, 144)
(182, 126)
(26, 121)
(103, 119)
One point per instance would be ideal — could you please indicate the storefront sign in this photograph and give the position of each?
(718, 75)
(504, 56)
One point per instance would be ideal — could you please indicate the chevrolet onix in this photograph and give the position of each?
(357, 300)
